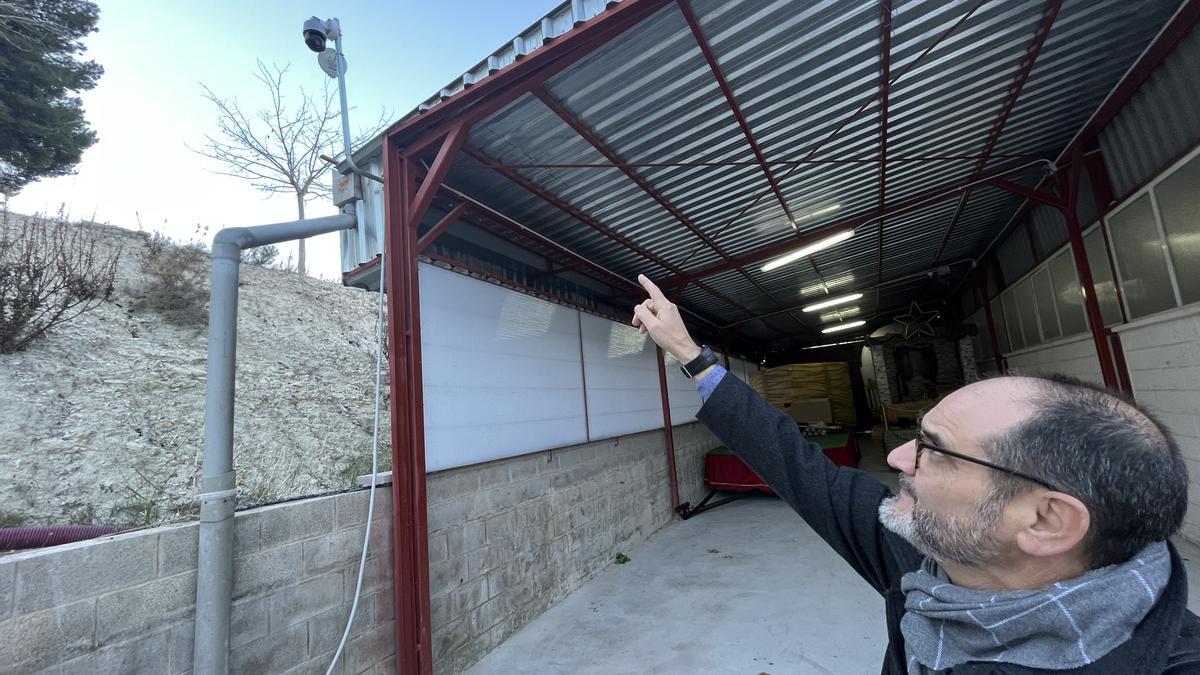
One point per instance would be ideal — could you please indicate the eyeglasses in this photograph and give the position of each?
(922, 445)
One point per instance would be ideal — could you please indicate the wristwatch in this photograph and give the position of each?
(697, 365)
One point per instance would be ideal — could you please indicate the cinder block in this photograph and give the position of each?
(453, 483)
(84, 570)
(177, 546)
(325, 629)
(318, 665)
(333, 550)
(438, 546)
(250, 619)
(499, 526)
(383, 602)
(491, 475)
(449, 639)
(271, 654)
(446, 575)
(147, 654)
(373, 646)
(295, 604)
(293, 521)
(183, 637)
(386, 666)
(381, 538)
(469, 595)
(439, 611)
(350, 508)
(377, 574)
(260, 572)
(522, 468)
(451, 512)
(45, 638)
(136, 610)
(8, 578)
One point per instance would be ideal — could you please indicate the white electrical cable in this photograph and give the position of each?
(362, 563)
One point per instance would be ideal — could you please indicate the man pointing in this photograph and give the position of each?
(1029, 535)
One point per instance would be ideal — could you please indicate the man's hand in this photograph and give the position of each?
(660, 318)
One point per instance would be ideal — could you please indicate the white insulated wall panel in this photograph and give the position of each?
(621, 376)
(501, 369)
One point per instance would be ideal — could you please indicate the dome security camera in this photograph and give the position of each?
(315, 34)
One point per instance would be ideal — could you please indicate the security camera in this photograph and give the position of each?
(314, 34)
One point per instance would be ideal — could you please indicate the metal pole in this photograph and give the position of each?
(672, 478)
(991, 323)
(218, 490)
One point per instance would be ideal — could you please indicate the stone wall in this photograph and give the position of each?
(510, 538)
(126, 603)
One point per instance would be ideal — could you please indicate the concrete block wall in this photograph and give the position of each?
(1074, 356)
(966, 355)
(1162, 353)
(510, 538)
(126, 603)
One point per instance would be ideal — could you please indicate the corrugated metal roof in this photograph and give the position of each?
(806, 77)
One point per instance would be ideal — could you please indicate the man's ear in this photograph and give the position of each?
(1054, 524)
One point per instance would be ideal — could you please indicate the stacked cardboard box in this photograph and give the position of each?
(806, 381)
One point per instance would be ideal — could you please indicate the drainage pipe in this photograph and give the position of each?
(218, 491)
(14, 538)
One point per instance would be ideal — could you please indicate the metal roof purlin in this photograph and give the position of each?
(885, 69)
(1014, 92)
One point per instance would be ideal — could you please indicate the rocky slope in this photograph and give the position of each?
(102, 419)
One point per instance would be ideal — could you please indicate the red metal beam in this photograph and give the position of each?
(410, 532)
(588, 135)
(429, 237)
(849, 118)
(455, 139)
(474, 103)
(1014, 92)
(774, 250)
(885, 70)
(1069, 185)
(688, 15)
(672, 477)
(1039, 196)
(920, 159)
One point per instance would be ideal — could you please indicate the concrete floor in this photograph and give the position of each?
(744, 588)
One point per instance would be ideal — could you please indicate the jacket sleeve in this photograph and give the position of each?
(841, 504)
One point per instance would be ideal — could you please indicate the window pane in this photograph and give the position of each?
(1179, 203)
(1067, 297)
(1106, 291)
(1139, 252)
(1023, 297)
(1013, 319)
(1001, 327)
(1047, 314)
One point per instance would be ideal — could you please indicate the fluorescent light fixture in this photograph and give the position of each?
(809, 250)
(843, 326)
(835, 344)
(832, 301)
(818, 212)
(840, 314)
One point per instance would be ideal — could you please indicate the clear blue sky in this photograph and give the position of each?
(148, 105)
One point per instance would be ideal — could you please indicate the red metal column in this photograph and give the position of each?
(410, 555)
(1069, 186)
(885, 73)
(997, 357)
(666, 406)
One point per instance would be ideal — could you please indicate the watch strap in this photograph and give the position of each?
(706, 358)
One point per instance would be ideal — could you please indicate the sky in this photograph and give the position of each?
(147, 108)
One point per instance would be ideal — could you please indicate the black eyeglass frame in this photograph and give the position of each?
(922, 444)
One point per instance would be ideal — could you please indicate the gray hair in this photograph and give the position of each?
(1103, 449)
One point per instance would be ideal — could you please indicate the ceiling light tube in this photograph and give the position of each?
(818, 212)
(809, 250)
(831, 302)
(843, 326)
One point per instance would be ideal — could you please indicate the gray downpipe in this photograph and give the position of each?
(218, 491)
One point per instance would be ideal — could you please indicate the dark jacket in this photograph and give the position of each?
(842, 505)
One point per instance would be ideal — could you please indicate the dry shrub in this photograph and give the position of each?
(174, 282)
(50, 273)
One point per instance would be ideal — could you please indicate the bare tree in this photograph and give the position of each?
(278, 148)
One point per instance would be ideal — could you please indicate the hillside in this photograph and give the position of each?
(101, 420)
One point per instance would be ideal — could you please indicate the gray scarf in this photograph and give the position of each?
(1065, 625)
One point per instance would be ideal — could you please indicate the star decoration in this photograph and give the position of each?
(916, 321)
